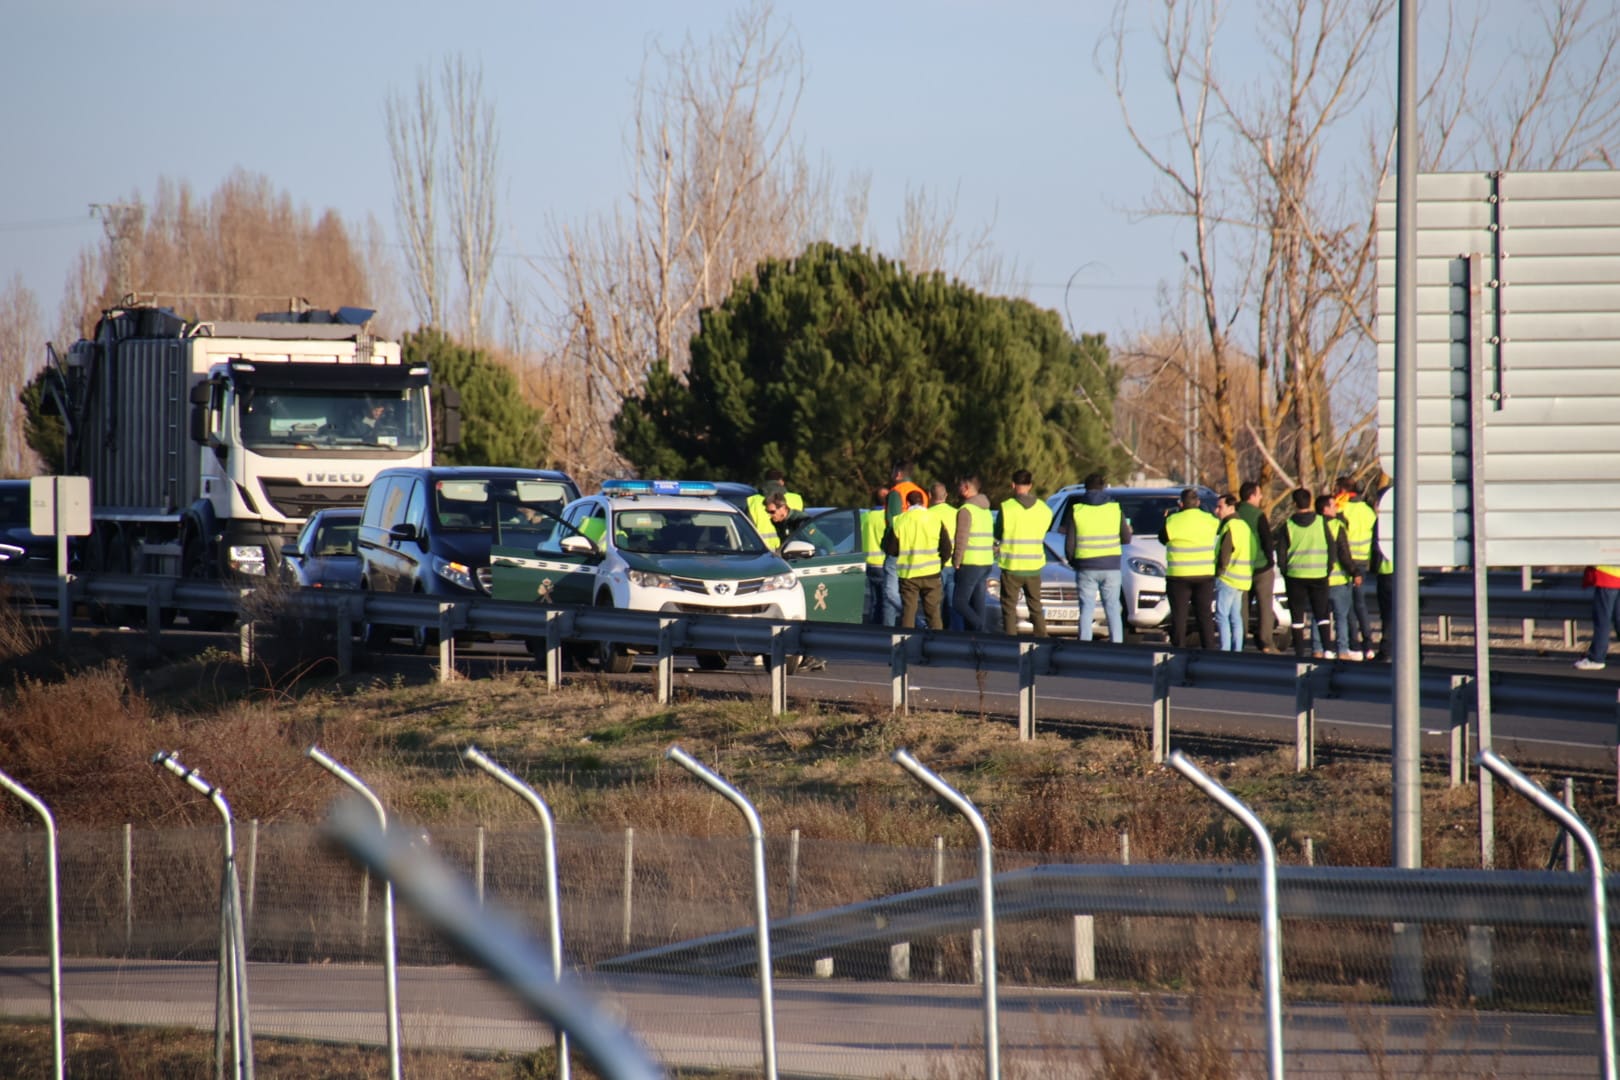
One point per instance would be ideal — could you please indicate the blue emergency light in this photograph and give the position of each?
(659, 487)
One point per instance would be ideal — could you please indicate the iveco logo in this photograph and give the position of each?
(335, 477)
(722, 588)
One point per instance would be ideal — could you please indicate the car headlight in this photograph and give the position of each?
(992, 585)
(779, 581)
(247, 559)
(455, 573)
(1146, 566)
(646, 579)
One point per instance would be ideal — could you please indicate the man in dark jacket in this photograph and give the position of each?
(1265, 565)
(1095, 533)
(1309, 552)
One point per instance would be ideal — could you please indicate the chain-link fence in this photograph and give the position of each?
(876, 950)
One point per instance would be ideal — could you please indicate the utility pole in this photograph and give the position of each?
(122, 223)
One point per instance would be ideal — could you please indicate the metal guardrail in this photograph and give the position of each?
(662, 636)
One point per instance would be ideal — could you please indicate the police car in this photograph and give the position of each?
(646, 545)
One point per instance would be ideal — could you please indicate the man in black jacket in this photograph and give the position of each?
(1265, 565)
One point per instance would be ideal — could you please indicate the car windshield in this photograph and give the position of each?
(1146, 512)
(336, 538)
(14, 505)
(681, 531)
(501, 503)
(281, 418)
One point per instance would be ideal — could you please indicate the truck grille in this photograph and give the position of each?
(293, 499)
(705, 609)
(485, 575)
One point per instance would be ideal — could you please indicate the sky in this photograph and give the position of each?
(998, 105)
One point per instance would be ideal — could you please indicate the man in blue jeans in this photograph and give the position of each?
(1094, 538)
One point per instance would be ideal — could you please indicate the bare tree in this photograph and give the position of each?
(413, 148)
(22, 352)
(472, 176)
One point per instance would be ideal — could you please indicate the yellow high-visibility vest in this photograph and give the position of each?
(918, 533)
(761, 518)
(1359, 520)
(1023, 536)
(1336, 574)
(1191, 551)
(981, 545)
(1096, 529)
(1239, 572)
(1307, 550)
(873, 523)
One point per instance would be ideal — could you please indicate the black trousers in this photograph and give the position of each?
(1199, 592)
(1386, 613)
(1308, 602)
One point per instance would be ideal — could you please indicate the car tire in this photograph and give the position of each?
(194, 566)
(711, 661)
(374, 637)
(612, 658)
(424, 639)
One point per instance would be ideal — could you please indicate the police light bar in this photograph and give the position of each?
(659, 487)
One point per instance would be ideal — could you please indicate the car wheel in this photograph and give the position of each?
(612, 658)
(711, 661)
(373, 636)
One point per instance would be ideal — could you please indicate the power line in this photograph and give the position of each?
(42, 224)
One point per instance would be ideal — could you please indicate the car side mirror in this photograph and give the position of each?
(290, 551)
(798, 549)
(403, 531)
(577, 545)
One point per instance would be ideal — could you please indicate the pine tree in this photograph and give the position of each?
(498, 427)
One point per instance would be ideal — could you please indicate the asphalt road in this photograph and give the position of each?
(825, 1028)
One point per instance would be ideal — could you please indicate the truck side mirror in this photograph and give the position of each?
(199, 423)
(447, 416)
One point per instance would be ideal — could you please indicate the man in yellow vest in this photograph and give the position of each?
(1094, 540)
(900, 488)
(973, 545)
(1303, 555)
(1343, 580)
(920, 547)
(940, 507)
(1021, 532)
(1188, 536)
(1605, 582)
(1234, 573)
(774, 484)
(874, 523)
(1360, 522)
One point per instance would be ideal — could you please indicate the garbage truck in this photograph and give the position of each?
(208, 443)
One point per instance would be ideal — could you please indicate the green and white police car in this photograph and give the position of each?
(667, 546)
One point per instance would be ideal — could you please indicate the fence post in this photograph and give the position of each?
(447, 642)
(793, 871)
(129, 886)
(1270, 924)
(1569, 841)
(1085, 948)
(985, 936)
(553, 657)
(899, 682)
(762, 915)
(629, 879)
(1602, 985)
(54, 914)
(245, 635)
(478, 863)
(1304, 717)
(252, 865)
(1528, 626)
(1026, 690)
(664, 669)
(1163, 663)
(1460, 756)
(390, 957)
(548, 829)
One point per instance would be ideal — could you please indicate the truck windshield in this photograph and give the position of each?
(333, 419)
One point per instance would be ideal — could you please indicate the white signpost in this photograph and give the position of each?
(60, 506)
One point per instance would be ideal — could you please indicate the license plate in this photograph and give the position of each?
(1063, 614)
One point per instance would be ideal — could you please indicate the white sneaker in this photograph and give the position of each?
(1586, 663)
(1353, 654)
(1330, 655)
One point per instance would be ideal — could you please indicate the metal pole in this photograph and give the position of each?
(1406, 826)
(129, 885)
(629, 881)
(390, 962)
(54, 913)
(548, 832)
(1476, 530)
(762, 915)
(1602, 984)
(1270, 924)
(987, 900)
(233, 951)
(793, 871)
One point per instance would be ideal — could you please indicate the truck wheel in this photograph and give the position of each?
(194, 560)
(613, 659)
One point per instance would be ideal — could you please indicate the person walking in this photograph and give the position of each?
(1094, 539)
(874, 523)
(1265, 564)
(973, 553)
(1021, 532)
(921, 547)
(1360, 522)
(1303, 558)
(1188, 536)
(1234, 573)
(1342, 579)
(1605, 584)
(900, 488)
(940, 506)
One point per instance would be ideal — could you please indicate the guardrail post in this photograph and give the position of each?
(553, 658)
(1085, 948)
(447, 642)
(629, 881)
(245, 634)
(1163, 674)
(1304, 717)
(899, 681)
(664, 669)
(1270, 923)
(129, 885)
(1026, 690)
(345, 639)
(1460, 754)
(1444, 629)
(390, 955)
(987, 902)
(776, 669)
(762, 915)
(1602, 985)
(53, 913)
(548, 830)
(1527, 628)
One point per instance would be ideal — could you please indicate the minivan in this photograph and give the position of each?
(428, 530)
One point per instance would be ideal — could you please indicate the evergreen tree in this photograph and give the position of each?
(834, 365)
(498, 427)
(42, 430)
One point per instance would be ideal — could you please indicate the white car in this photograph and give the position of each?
(1142, 578)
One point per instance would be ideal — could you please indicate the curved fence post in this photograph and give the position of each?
(390, 950)
(53, 907)
(1270, 924)
(762, 915)
(548, 829)
(233, 995)
(987, 901)
(1602, 983)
